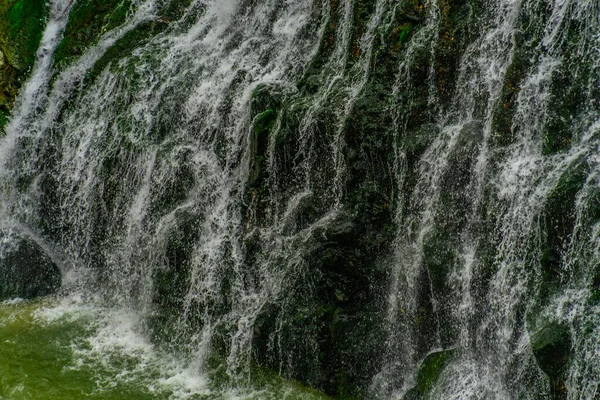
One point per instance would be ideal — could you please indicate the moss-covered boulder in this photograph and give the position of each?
(551, 346)
(88, 20)
(429, 372)
(26, 270)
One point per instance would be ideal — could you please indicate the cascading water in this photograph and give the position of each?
(381, 199)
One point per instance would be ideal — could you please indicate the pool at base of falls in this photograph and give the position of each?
(51, 349)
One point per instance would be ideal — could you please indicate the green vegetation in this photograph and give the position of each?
(4, 114)
(21, 27)
(88, 20)
(133, 39)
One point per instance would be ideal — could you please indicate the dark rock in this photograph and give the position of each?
(342, 231)
(559, 218)
(551, 346)
(26, 271)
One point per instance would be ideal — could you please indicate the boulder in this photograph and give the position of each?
(429, 372)
(551, 346)
(26, 271)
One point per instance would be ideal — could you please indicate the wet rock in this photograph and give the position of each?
(341, 231)
(429, 372)
(559, 218)
(551, 346)
(26, 271)
(88, 20)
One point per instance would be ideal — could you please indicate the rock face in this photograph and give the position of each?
(429, 372)
(551, 346)
(336, 202)
(26, 271)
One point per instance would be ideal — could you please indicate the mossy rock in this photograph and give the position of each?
(573, 90)
(362, 10)
(172, 280)
(88, 20)
(525, 55)
(322, 322)
(9, 88)
(264, 110)
(178, 164)
(124, 47)
(429, 372)
(21, 27)
(4, 115)
(551, 346)
(559, 221)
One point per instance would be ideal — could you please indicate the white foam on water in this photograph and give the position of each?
(113, 344)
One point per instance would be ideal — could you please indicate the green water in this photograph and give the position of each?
(50, 351)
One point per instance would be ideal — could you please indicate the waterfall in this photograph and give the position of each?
(381, 199)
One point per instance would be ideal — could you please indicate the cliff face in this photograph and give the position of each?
(377, 198)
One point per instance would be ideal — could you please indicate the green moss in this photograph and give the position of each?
(10, 83)
(264, 122)
(265, 108)
(431, 368)
(21, 27)
(175, 9)
(3, 120)
(456, 20)
(311, 80)
(124, 46)
(400, 35)
(363, 9)
(88, 20)
(22, 30)
(429, 372)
